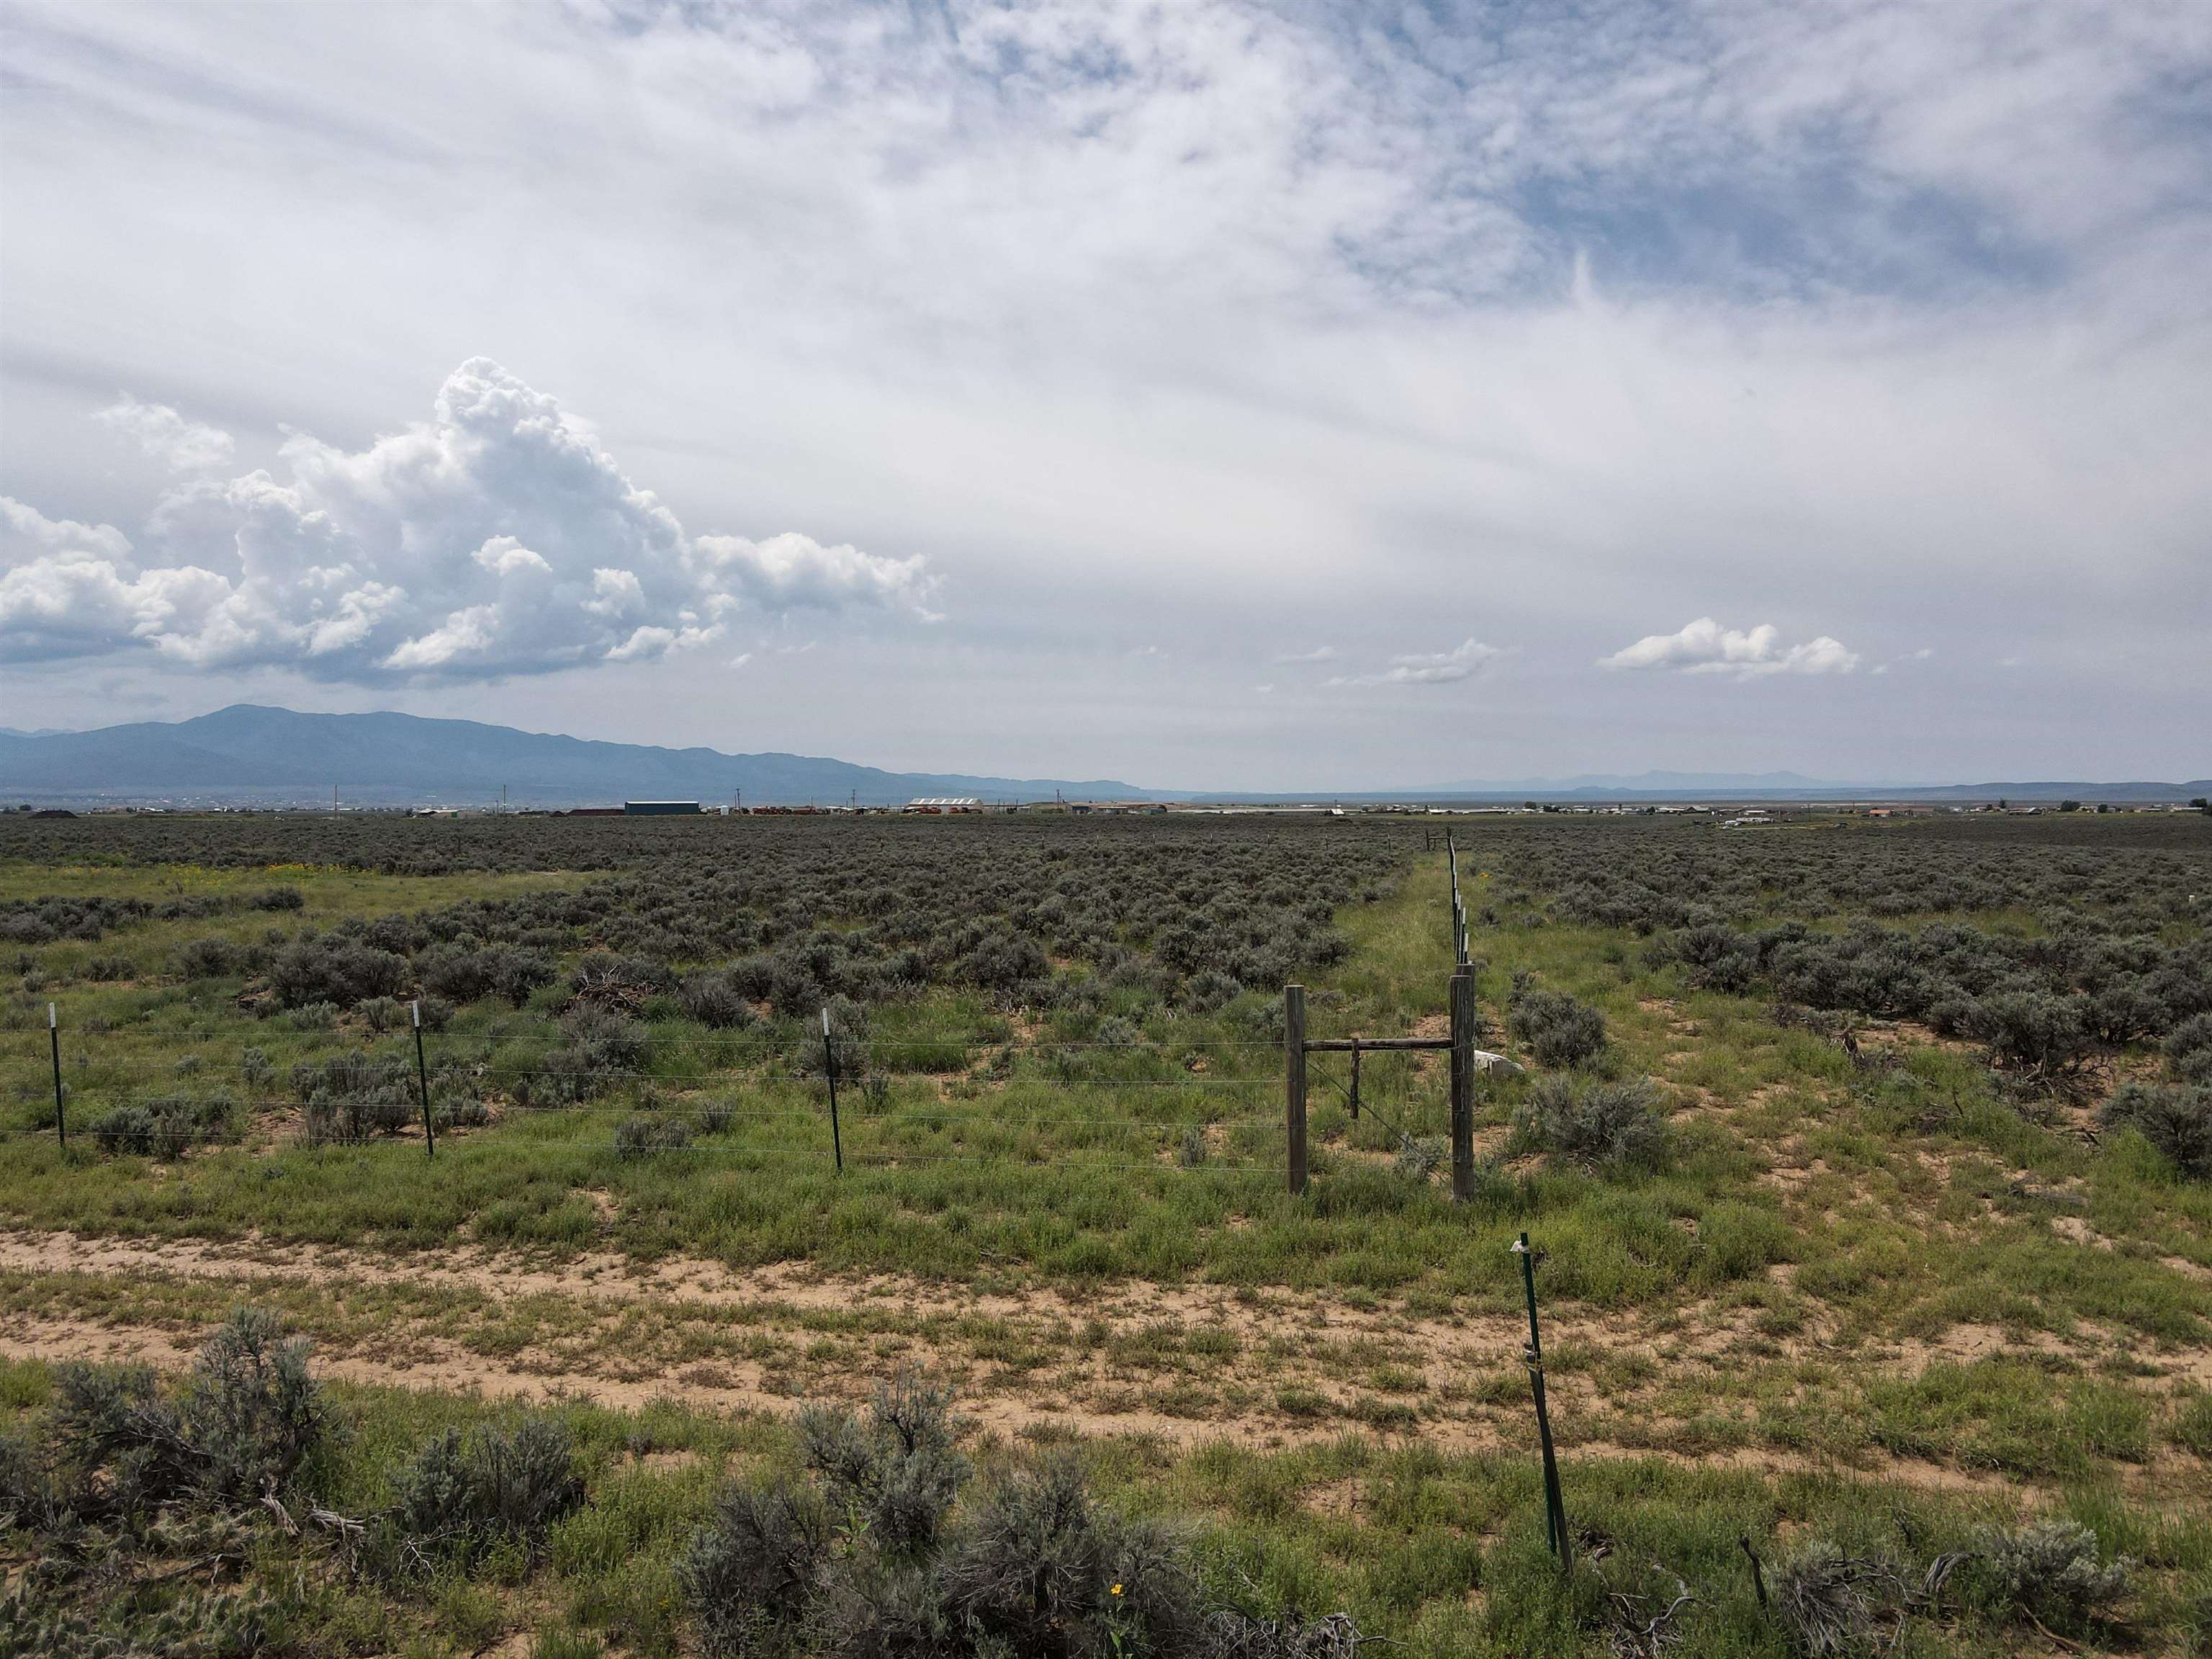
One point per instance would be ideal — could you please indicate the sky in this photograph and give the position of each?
(1201, 395)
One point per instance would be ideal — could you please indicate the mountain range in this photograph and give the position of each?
(274, 757)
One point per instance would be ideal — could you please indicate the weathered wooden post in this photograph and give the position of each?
(1462, 1084)
(1294, 1081)
(1355, 1080)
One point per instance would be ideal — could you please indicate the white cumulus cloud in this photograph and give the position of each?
(181, 445)
(1703, 647)
(495, 538)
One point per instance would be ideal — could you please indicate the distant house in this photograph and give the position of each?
(928, 803)
(659, 808)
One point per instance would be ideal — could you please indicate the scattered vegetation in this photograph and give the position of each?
(865, 1553)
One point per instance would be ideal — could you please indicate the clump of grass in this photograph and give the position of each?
(641, 1137)
(1420, 1157)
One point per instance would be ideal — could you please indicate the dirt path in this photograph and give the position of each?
(1184, 1364)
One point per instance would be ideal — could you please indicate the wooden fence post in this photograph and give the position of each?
(1462, 1084)
(1294, 1081)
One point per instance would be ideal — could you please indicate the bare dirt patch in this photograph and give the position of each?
(1183, 1364)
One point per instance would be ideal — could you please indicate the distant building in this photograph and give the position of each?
(926, 803)
(659, 808)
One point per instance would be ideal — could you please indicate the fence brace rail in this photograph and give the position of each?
(1467, 1061)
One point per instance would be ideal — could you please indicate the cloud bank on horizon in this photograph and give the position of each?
(495, 538)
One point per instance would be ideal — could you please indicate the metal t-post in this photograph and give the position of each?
(1555, 1511)
(1294, 1083)
(54, 1031)
(830, 1066)
(423, 1082)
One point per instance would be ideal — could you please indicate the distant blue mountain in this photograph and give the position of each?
(248, 754)
(274, 754)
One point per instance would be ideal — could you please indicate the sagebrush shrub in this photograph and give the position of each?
(898, 1468)
(335, 969)
(1605, 1124)
(2054, 1572)
(461, 1493)
(756, 1570)
(2188, 1049)
(875, 1552)
(168, 1127)
(382, 1014)
(206, 958)
(2176, 1120)
(596, 1040)
(1719, 957)
(2034, 1029)
(1559, 1030)
(713, 1001)
(355, 1096)
(115, 1447)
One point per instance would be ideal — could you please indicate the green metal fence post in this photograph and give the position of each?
(1555, 1511)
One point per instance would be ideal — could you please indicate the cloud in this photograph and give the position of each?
(495, 538)
(180, 445)
(1703, 647)
(1435, 668)
(1318, 654)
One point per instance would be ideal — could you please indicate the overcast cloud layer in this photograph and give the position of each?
(1205, 394)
